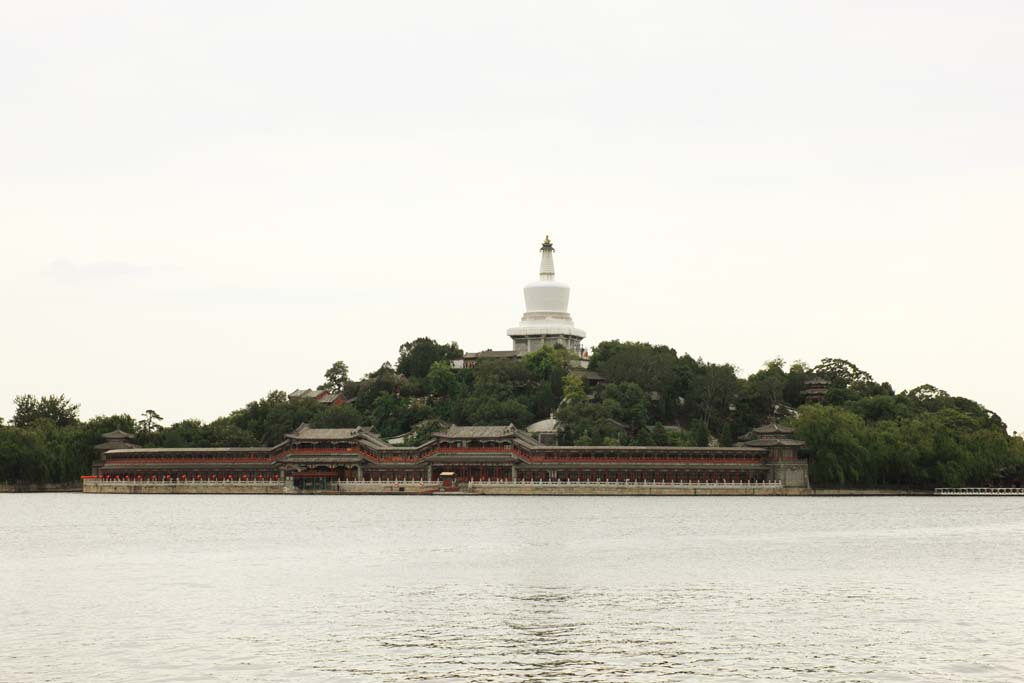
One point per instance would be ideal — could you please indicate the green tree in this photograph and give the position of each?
(59, 409)
(273, 416)
(713, 392)
(837, 439)
(23, 457)
(627, 403)
(383, 380)
(345, 415)
(150, 422)
(656, 369)
(572, 390)
(796, 379)
(549, 362)
(841, 373)
(760, 397)
(416, 358)
(500, 394)
(335, 378)
(185, 434)
(442, 381)
(768, 385)
(547, 366)
(700, 436)
(494, 411)
(223, 433)
(393, 415)
(580, 421)
(880, 408)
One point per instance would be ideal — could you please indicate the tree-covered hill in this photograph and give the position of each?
(862, 434)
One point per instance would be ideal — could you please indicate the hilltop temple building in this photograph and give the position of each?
(482, 459)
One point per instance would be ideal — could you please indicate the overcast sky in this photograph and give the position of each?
(201, 202)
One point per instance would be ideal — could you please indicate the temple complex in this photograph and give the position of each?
(479, 459)
(339, 460)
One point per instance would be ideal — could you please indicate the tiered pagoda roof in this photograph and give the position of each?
(117, 439)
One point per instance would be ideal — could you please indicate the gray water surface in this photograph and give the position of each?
(467, 588)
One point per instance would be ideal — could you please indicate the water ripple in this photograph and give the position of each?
(136, 588)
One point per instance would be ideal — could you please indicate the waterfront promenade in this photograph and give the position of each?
(423, 486)
(501, 488)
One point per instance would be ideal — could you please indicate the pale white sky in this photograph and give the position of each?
(200, 202)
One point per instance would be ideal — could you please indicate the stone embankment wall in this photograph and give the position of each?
(638, 490)
(92, 486)
(160, 487)
(872, 492)
(356, 488)
(40, 488)
(413, 488)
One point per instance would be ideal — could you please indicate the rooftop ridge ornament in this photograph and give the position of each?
(547, 260)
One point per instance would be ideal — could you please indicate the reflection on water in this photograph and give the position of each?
(264, 588)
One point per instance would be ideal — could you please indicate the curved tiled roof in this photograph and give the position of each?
(305, 432)
(548, 425)
(117, 434)
(481, 432)
(772, 441)
(213, 450)
(772, 428)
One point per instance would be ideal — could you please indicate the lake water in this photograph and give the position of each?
(466, 588)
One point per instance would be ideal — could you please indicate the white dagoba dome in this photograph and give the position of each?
(546, 320)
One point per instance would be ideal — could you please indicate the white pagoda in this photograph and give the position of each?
(546, 320)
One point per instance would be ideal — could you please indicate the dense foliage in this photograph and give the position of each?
(863, 434)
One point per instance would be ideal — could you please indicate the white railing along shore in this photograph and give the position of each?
(980, 491)
(383, 482)
(635, 483)
(631, 483)
(185, 482)
(563, 482)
